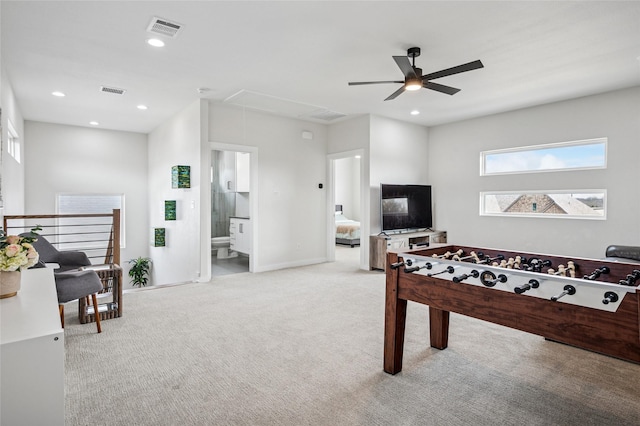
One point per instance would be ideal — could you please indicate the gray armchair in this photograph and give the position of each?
(67, 260)
(629, 254)
(74, 285)
(71, 282)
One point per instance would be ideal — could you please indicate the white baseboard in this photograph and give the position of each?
(277, 266)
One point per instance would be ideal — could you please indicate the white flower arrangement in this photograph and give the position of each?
(17, 253)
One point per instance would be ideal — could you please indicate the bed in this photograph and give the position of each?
(347, 230)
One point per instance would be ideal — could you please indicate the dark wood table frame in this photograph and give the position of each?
(616, 334)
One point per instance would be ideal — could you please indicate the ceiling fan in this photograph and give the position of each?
(413, 78)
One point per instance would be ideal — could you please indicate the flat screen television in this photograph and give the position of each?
(405, 207)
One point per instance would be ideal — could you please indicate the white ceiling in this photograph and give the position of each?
(306, 52)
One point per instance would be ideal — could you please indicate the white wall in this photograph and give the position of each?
(454, 151)
(398, 155)
(70, 159)
(12, 172)
(291, 223)
(346, 138)
(350, 135)
(348, 186)
(176, 142)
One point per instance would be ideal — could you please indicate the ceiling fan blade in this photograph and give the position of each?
(359, 83)
(454, 70)
(405, 66)
(440, 88)
(395, 94)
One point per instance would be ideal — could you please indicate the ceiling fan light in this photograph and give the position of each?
(413, 85)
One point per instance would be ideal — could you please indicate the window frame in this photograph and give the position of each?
(602, 192)
(122, 209)
(583, 142)
(13, 142)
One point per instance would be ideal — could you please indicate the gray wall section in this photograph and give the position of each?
(454, 151)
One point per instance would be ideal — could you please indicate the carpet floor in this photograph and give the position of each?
(304, 346)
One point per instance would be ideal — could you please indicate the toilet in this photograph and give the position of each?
(221, 245)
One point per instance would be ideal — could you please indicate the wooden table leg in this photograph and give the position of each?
(439, 328)
(394, 337)
(394, 324)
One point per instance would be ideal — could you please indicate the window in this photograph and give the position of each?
(92, 203)
(13, 142)
(579, 204)
(576, 155)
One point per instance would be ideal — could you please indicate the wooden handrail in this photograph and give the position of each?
(55, 216)
(112, 254)
(111, 277)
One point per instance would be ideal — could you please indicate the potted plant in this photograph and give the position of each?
(139, 272)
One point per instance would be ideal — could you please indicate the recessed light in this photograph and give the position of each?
(58, 94)
(415, 112)
(94, 123)
(155, 42)
(357, 156)
(142, 107)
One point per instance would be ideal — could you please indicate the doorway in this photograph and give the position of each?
(348, 201)
(232, 208)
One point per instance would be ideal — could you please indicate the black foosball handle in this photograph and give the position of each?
(460, 278)
(527, 286)
(396, 265)
(448, 269)
(417, 268)
(610, 297)
(568, 289)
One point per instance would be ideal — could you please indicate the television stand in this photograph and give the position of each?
(379, 244)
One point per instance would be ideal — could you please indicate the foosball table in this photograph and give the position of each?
(587, 303)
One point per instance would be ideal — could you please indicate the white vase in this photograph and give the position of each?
(9, 283)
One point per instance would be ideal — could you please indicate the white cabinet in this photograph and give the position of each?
(379, 244)
(240, 235)
(235, 171)
(32, 353)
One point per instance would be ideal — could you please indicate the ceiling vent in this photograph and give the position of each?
(164, 27)
(113, 90)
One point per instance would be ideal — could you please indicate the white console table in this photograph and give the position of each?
(32, 353)
(379, 244)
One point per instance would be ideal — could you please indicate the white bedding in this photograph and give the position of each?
(346, 228)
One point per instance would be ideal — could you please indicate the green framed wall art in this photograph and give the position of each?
(158, 236)
(181, 177)
(170, 210)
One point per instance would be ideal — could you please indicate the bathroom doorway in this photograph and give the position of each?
(231, 219)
